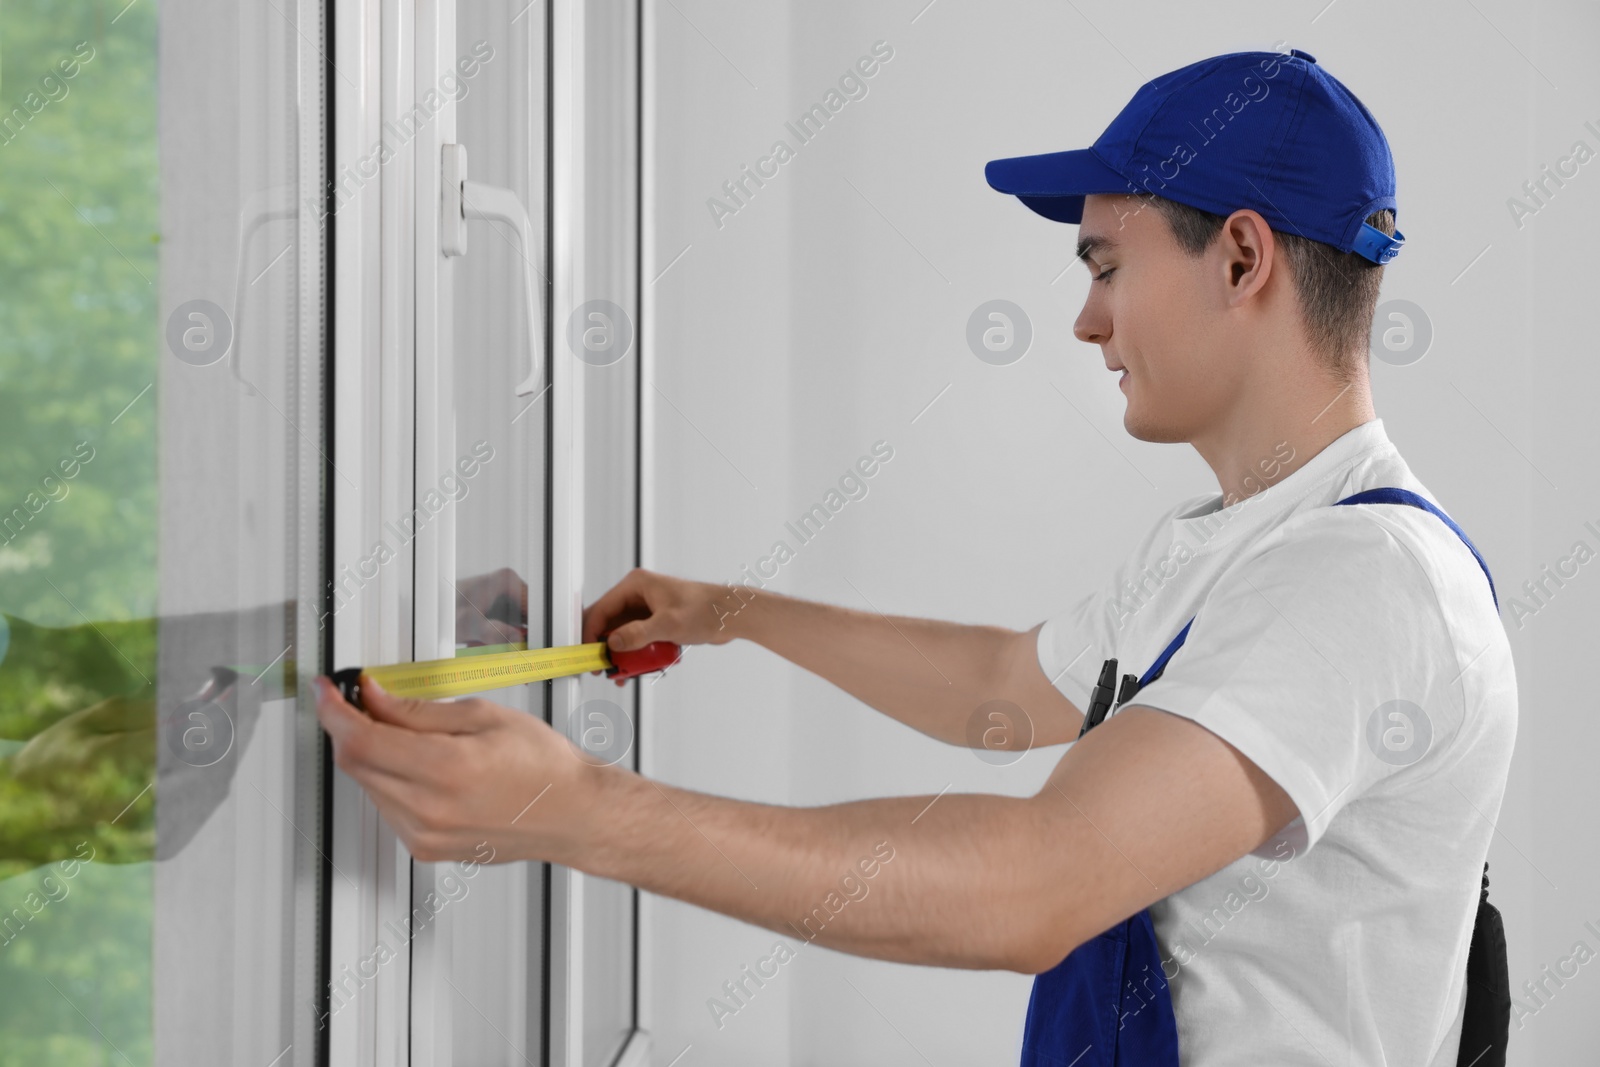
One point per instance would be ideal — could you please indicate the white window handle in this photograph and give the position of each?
(464, 199)
(261, 207)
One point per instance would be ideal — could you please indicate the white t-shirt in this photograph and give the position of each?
(1344, 939)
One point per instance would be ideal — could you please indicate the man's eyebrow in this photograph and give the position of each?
(1091, 243)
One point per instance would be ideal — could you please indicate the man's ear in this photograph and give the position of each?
(1249, 252)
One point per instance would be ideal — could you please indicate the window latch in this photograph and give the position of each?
(465, 199)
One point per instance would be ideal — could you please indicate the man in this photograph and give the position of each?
(1302, 796)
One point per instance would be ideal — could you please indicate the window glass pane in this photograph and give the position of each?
(161, 487)
(497, 934)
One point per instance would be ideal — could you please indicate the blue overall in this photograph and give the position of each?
(1108, 1003)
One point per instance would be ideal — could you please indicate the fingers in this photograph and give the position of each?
(365, 746)
(626, 600)
(633, 635)
(425, 716)
(642, 608)
(334, 712)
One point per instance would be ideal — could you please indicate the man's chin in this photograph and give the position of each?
(1157, 431)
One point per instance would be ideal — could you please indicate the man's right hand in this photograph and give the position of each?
(646, 606)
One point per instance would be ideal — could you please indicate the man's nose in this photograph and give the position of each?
(1092, 327)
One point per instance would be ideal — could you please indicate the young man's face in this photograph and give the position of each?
(1162, 315)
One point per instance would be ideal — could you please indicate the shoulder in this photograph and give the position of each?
(1395, 546)
(1348, 540)
(1389, 586)
(1349, 583)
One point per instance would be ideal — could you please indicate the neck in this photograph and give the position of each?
(1275, 431)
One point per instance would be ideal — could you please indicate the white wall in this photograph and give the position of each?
(831, 309)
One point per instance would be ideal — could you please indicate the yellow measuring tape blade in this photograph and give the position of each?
(478, 672)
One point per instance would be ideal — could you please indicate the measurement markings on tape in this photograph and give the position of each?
(477, 671)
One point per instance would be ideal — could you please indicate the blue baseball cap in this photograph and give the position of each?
(1269, 131)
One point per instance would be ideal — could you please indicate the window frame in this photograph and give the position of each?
(392, 320)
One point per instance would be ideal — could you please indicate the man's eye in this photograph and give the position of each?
(1103, 275)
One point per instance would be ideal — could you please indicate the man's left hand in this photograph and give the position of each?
(451, 776)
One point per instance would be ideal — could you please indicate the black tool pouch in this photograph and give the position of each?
(1486, 1020)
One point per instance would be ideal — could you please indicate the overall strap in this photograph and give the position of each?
(1161, 661)
(1369, 496)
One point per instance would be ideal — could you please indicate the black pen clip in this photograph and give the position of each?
(1100, 698)
(1130, 686)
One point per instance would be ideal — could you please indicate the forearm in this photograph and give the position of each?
(929, 674)
(953, 879)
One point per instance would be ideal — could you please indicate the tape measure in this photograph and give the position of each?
(480, 670)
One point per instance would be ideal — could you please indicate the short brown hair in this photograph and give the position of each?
(1338, 290)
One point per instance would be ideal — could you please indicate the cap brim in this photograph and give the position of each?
(1055, 183)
